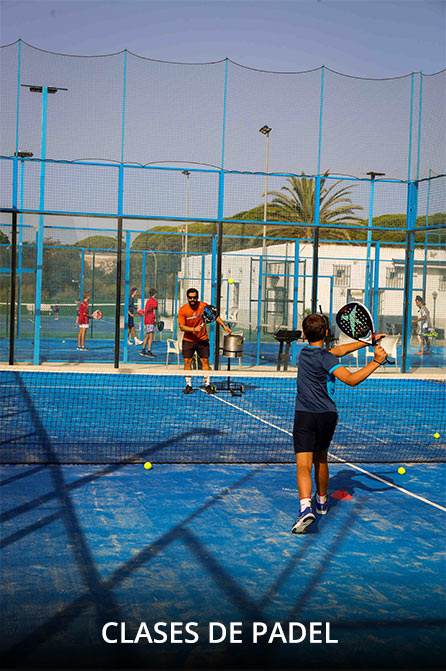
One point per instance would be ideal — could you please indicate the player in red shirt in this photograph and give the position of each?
(149, 323)
(83, 322)
(195, 339)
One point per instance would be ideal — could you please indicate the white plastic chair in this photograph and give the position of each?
(173, 347)
(345, 340)
(390, 344)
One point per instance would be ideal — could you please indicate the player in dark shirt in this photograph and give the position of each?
(316, 414)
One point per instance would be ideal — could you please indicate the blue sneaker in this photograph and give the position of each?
(321, 508)
(306, 517)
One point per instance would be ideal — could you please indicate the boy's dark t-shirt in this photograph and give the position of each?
(315, 380)
(131, 305)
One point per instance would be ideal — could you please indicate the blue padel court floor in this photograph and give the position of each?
(83, 546)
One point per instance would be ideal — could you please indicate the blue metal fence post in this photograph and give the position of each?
(82, 282)
(375, 290)
(410, 128)
(426, 235)
(19, 297)
(126, 293)
(213, 294)
(369, 263)
(259, 308)
(143, 291)
(217, 265)
(175, 311)
(411, 217)
(40, 232)
(420, 108)
(295, 297)
(203, 275)
(20, 251)
(321, 110)
(316, 217)
(13, 263)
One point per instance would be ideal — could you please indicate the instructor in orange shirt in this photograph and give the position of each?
(195, 339)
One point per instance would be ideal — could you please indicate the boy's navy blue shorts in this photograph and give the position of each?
(313, 431)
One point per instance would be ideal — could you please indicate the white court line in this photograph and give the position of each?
(347, 463)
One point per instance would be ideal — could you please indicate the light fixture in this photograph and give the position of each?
(23, 154)
(376, 174)
(38, 89)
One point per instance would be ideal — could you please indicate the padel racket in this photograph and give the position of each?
(356, 321)
(210, 314)
(140, 312)
(160, 326)
(97, 314)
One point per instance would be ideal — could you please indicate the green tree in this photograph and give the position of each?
(295, 203)
(97, 242)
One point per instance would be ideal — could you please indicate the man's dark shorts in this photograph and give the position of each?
(201, 347)
(131, 322)
(313, 431)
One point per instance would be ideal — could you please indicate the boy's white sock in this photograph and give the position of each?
(321, 499)
(189, 381)
(304, 504)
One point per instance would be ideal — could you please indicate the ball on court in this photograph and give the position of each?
(262, 357)
(436, 435)
(230, 281)
(401, 470)
(63, 341)
(147, 465)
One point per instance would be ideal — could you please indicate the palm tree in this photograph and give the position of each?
(295, 203)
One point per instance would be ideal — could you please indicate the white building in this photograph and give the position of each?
(342, 277)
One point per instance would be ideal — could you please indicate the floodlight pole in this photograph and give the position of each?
(265, 130)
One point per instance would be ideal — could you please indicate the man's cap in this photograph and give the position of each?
(133, 289)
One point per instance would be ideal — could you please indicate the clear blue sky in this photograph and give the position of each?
(379, 38)
(175, 113)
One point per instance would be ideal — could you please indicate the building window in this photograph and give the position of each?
(394, 278)
(341, 275)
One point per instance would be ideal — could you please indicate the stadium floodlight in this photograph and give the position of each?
(39, 89)
(23, 154)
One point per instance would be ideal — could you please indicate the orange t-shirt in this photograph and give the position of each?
(189, 317)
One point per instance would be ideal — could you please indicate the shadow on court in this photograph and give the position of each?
(203, 545)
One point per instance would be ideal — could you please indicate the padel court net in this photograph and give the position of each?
(102, 418)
